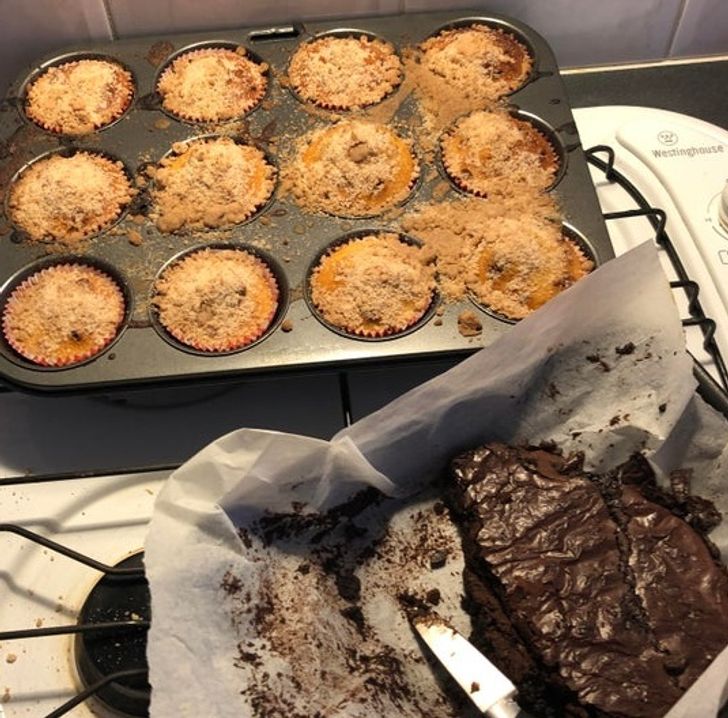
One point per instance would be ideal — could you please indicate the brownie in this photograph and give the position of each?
(592, 596)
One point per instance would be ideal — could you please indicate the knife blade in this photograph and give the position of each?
(488, 688)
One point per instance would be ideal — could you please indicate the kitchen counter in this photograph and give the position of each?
(694, 88)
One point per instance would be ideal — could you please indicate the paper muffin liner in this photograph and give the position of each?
(299, 85)
(441, 40)
(244, 338)
(189, 115)
(394, 327)
(123, 93)
(464, 183)
(14, 309)
(317, 203)
(257, 201)
(92, 227)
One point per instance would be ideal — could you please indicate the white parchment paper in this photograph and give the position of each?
(555, 376)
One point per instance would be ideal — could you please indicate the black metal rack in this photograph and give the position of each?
(658, 220)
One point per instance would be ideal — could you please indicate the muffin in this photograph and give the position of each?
(78, 97)
(212, 84)
(494, 154)
(353, 168)
(63, 314)
(66, 199)
(210, 183)
(523, 262)
(341, 73)
(216, 300)
(477, 60)
(373, 286)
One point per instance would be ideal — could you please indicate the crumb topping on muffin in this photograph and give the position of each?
(210, 183)
(345, 72)
(372, 286)
(477, 59)
(63, 314)
(78, 97)
(492, 153)
(518, 266)
(212, 84)
(217, 299)
(68, 198)
(354, 168)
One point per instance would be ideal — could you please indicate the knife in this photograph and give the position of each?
(488, 688)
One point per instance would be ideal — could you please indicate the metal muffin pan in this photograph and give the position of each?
(291, 237)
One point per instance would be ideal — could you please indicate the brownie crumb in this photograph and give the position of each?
(433, 597)
(245, 537)
(662, 408)
(474, 687)
(552, 391)
(349, 586)
(438, 559)
(355, 615)
(439, 508)
(596, 359)
(231, 584)
(625, 349)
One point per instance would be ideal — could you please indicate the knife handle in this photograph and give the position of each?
(507, 708)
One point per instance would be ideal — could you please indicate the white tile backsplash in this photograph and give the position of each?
(30, 28)
(133, 17)
(703, 29)
(586, 32)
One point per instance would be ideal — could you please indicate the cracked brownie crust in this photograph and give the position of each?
(616, 603)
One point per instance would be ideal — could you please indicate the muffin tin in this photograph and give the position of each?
(289, 238)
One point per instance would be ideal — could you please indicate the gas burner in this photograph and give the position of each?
(100, 655)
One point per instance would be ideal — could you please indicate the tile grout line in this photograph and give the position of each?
(676, 26)
(110, 19)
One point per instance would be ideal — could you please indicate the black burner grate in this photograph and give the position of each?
(114, 599)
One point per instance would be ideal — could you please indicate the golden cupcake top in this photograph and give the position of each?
(67, 199)
(373, 286)
(212, 84)
(353, 168)
(493, 153)
(78, 97)
(342, 73)
(521, 263)
(216, 299)
(477, 59)
(63, 314)
(210, 183)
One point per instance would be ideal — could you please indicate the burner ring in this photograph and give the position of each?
(101, 654)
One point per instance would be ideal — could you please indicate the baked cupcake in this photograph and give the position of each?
(210, 183)
(212, 84)
(495, 154)
(373, 286)
(80, 96)
(353, 168)
(477, 61)
(216, 300)
(66, 199)
(63, 314)
(341, 73)
(523, 262)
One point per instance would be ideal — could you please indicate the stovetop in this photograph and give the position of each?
(105, 516)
